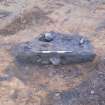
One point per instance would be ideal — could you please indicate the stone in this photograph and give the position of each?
(55, 60)
(56, 48)
(47, 37)
(82, 41)
(92, 92)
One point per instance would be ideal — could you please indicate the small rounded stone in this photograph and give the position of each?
(48, 37)
(82, 41)
(92, 91)
(57, 94)
(55, 61)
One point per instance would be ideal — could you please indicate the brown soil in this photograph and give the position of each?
(23, 20)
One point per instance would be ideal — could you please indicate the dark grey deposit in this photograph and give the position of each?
(58, 49)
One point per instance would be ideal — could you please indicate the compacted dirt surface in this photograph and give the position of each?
(79, 84)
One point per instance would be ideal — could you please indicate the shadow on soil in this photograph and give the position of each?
(90, 91)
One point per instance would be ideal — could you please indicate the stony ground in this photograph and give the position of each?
(22, 20)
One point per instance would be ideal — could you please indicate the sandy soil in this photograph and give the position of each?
(23, 20)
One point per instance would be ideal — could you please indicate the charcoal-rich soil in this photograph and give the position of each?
(80, 84)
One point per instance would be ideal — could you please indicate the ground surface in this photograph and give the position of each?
(22, 20)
